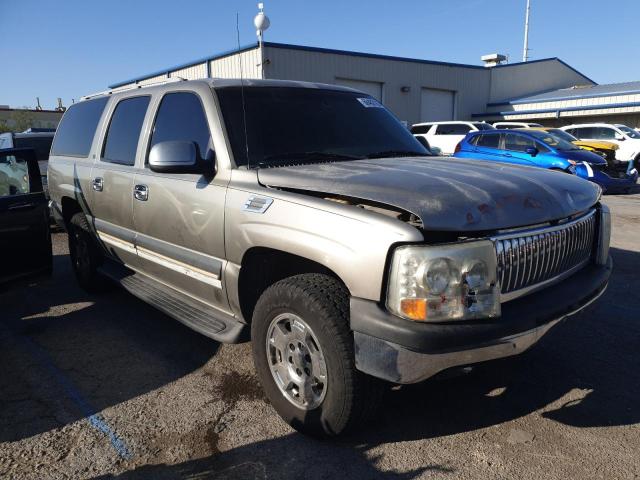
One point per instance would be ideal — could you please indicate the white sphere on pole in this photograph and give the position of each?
(261, 22)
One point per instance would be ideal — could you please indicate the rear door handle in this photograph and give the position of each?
(508, 155)
(141, 192)
(98, 184)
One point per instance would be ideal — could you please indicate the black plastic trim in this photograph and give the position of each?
(518, 316)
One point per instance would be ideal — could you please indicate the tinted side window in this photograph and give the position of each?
(181, 117)
(453, 129)
(77, 128)
(488, 140)
(603, 133)
(518, 143)
(542, 148)
(42, 145)
(14, 176)
(420, 129)
(584, 132)
(124, 131)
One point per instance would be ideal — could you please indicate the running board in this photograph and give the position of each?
(194, 314)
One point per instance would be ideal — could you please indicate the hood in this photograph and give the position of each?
(600, 145)
(447, 194)
(582, 155)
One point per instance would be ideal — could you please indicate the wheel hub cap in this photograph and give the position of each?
(296, 361)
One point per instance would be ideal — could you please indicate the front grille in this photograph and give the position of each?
(528, 259)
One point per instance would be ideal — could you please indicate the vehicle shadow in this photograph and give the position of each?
(583, 374)
(289, 457)
(90, 353)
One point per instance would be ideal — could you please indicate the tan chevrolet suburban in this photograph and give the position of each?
(307, 218)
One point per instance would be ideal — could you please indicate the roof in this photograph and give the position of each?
(447, 122)
(253, 82)
(222, 83)
(287, 46)
(577, 92)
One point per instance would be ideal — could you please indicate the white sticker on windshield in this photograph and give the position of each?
(369, 102)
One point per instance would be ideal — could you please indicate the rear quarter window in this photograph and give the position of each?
(124, 131)
(77, 128)
(420, 129)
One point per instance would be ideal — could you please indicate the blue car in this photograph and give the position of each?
(541, 149)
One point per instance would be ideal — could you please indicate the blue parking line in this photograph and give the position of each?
(96, 420)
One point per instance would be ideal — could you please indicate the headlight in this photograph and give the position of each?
(444, 283)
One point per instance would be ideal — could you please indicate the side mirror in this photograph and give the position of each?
(177, 156)
(619, 137)
(533, 151)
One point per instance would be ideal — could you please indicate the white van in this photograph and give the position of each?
(442, 137)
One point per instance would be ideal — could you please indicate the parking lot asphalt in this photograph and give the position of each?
(104, 386)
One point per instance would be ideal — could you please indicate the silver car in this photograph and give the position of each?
(307, 218)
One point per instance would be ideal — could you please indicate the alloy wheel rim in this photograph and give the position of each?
(296, 361)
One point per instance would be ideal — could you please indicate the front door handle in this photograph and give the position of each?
(98, 184)
(508, 155)
(141, 192)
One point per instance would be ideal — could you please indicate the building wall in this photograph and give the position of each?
(21, 119)
(194, 72)
(246, 63)
(631, 120)
(513, 81)
(470, 84)
(230, 66)
(576, 102)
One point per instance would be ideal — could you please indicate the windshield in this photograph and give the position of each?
(484, 126)
(304, 124)
(556, 132)
(552, 140)
(629, 132)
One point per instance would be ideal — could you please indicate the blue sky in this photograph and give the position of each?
(70, 48)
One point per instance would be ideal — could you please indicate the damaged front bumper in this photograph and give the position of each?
(612, 178)
(402, 351)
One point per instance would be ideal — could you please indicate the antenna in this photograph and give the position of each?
(525, 51)
(244, 110)
(262, 23)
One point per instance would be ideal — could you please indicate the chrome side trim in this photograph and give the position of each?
(196, 260)
(117, 242)
(180, 267)
(127, 241)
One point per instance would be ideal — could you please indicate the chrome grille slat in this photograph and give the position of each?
(533, 257)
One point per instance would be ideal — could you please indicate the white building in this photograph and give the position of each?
(613, 103)
(414, 89)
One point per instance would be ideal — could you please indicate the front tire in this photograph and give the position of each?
(303, 354)
(85, 254)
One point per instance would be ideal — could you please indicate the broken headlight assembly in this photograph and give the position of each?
(452, 282)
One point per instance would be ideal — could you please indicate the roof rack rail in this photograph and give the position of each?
(133, 87)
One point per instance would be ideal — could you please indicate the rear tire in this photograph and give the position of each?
(86, 255)
(314, 309)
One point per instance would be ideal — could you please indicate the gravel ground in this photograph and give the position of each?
(106, 387)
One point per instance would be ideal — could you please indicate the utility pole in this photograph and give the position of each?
(525, 51)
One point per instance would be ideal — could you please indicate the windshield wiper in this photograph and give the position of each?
(398, 153)
(289, 158)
